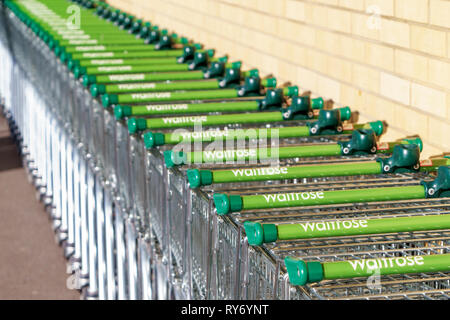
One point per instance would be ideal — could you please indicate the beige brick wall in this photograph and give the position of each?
(388, 59)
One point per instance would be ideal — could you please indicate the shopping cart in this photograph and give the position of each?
(137, 217)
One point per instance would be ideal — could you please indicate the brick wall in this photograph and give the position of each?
(388, 59)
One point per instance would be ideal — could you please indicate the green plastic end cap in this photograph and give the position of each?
(72, 64)
(346, 113)
(223, 59)
(136, 124)
(226, 204)
(315, 271)
(56, 48)
(184, 40)
(54, 44)
(98, 89)
(270, 232)
(109, 99)
(253, 73)
(79, 71)
(198, 178)
(65, 56)
(377, 127)
(174, 158)
(222, 203)
(235, 203)
(317, 103)
(236, 65)
(439, 187)
(209, 52)
(291, 91)
(416, 141)
(153, 139)
(297, 271)
(121, 112)
(89, 79)
(270, 82)
(254, 232)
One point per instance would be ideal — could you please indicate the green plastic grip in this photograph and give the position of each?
(280, 173)
(301, 273)
(299, 199)
(227, 203)
(343, 227)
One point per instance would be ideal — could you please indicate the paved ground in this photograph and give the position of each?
(32, 265)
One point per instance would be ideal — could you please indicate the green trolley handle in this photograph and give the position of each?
(154, 87)
(273, 100)
(155, 139)
(148, 92)
(131, 65)
(405, 158)
(121, 53)
(258, 233)
(363, 141)
(301, 272)
(200, 62)
(213, 84)
(140, 61)
(440, 187)
(192, 58)
(111, 45)
(216, 66)
(215, 70)
(328, 121)
(117, 53)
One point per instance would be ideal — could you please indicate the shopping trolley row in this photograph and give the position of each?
(110, 151)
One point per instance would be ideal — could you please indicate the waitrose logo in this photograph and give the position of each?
(126, 77)
(193, 119)
(90, 48)
(230, 154)
(204, 134)
(295, 196)
(333, 225)
(115, 68)
(69, 32)
(380, 263)
(166, 107)
(259, 172)
(143, 96)
(107, 61)
(77, 42)
(98, 54)
(136, 86)
(76, 37)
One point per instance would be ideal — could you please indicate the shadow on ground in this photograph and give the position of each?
(9, 157)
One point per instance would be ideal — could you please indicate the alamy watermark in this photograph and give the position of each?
(374, 281)
(229, 145)
(74, 20)
(374, 21)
